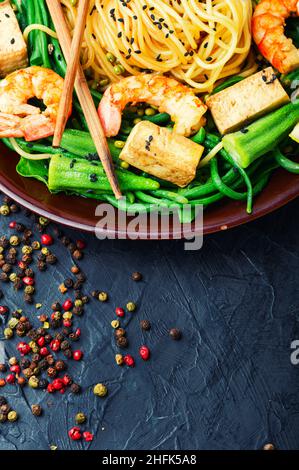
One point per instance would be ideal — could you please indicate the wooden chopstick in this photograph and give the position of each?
(84, 96)
(69, 81)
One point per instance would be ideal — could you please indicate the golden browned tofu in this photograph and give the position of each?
(13, 50)
(247, 100)
(162, 153)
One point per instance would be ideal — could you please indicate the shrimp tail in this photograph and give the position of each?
(36, 127)
(110, 116)
(10, 126)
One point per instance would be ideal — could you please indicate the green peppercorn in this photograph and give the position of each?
(8, 333)
(4, 210)
(100, 390)
(45, 251)
(150, 112)
(26, 250)
(78, 303)
(13, 323)
(14, 240)
(137, 120)
(131, 307)
(103, 296)
(33, 382)
(43, 221)
(80, 418)
(12, 416)
(13, 277)
(29, 290)
(118, 69)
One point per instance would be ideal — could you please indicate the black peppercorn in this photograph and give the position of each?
(64, 345)
(136, 276)
(50, 360)
(77, 287)
(48, 338)
(3, 401)
(6, 268)
(41, 266)
(14, 208)
(60, 365)
(5, 408)
(175, 334)
(41, 257)
(28, 298)
(68, 353)
(75, 388)
(122, 342)
(33, 334)
(69, 283)
(43, 383)
(52, 372)
(65, 241)
(73, 337)
(36, 357)
(4, 277)
(3, 368)
(28, 233)
(59, 336)
(36, 410)
(71, 247)
(56, 307)
(51, 259)
(145, 325)
(4, 242)
(20, 227)
(77, 254)
(24, 363)
(81, 277)
(29, 272)
(119, 333)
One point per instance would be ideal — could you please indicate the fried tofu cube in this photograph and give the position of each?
(163, 153)
(247, 100)
(13, 50)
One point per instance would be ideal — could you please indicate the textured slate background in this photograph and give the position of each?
(228, 384)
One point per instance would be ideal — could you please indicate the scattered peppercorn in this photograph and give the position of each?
(269, 447)
(103, 296)
(36, 410)
(175, 334)
(75, 388)
(145, 325)
(80, 418)
(12, 416)
(131, 307)
(122, 342)
(100, 390)
(119, 333)
(136, 276)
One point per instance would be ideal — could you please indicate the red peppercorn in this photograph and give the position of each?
(12, 224)
(22, 265)
(28, 281)
(23, 348)
(120, 312)
(67, 305)
(41, 341)
(78, 332)
(77, 355)
(67, 380)
(129, 360)
(58, 384)
(75, 433)
(62, 391)
(3, 309)
(44, 351)
(144, 353)
(67, 323)
(10, 379)
(55, 345)
(80, 244)
(46, 239)
(88, 436)
(16, 369)
(50, 388)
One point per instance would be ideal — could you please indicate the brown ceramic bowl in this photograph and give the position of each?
(79, 213)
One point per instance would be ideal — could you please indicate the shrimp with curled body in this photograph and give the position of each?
(169, 95)
(18, 118)
(268, 23)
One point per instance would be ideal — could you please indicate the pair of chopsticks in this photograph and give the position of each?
(75, 77)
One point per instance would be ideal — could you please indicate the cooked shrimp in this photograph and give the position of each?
(170, 96)
(18, 118)
(268, 24)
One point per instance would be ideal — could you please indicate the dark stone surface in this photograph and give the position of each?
(228, 384)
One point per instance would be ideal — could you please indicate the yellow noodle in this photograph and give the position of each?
(197, 41)
(41, 27)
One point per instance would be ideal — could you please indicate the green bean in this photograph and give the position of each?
(200, 136)
(33, 42)
(284, 162)
(207, 188)
(244, 175)
(227, 83)
(144, 197)
(42, 36)
(221, 186)
(170, 195)
(122, 205)
(161, 118)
